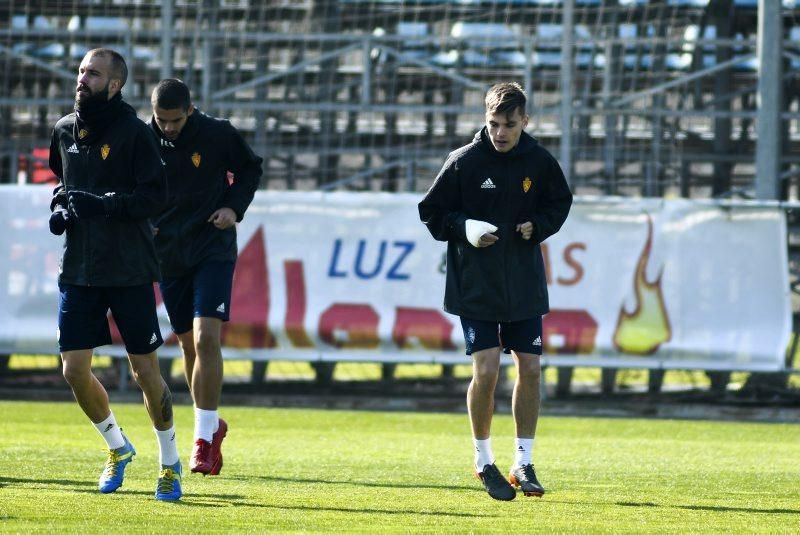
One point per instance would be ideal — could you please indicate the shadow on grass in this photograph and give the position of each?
(724, 509)
(60, 482)
(715, 508)
(194, 500)
(90, 487)
(191, 499)
(369, 511)
(389, 485)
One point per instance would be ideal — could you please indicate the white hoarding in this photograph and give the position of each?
(356, 276)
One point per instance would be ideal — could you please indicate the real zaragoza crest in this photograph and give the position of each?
(196, 159)
(104, 150)
(526, 184)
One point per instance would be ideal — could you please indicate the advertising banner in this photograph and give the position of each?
(356, 276)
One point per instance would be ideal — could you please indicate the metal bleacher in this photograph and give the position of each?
(372, 95)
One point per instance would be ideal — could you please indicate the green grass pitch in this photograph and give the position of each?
(369, 472)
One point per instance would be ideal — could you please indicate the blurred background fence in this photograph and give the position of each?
(647, 97)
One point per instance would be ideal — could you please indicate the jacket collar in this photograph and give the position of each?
(91, 121)
(187, 134)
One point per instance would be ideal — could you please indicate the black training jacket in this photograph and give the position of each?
(117, 250)
(506, 281)
(198, 163)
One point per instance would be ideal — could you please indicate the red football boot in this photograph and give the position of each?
(216, 447)
(201, 460)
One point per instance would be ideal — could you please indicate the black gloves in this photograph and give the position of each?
(85, 205)
(81, 205)
(60, 220)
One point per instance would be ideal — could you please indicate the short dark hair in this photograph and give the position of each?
(119, 69)
(170, 94)
(505, 98)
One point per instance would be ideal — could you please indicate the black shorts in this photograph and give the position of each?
(521, 336)
(83, 317)
(204, 292)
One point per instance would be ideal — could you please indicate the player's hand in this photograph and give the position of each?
(487, 239)
(223, 218)
(479, 233)
(60, 220)
(526, 229)
(85, 205)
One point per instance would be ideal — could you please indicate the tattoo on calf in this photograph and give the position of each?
(166, 405)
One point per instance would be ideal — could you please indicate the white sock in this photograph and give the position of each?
(483, 453)
(523, 451)
(205, 423)
(167, 446)
(109, 430)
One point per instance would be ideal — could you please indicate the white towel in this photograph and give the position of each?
(475, 229)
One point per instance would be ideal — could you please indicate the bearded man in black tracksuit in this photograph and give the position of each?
(196, 243)
(111, 181)
(494, 201)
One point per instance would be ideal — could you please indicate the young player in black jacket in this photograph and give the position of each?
(111, 182)
(494, 201)
(196, 242)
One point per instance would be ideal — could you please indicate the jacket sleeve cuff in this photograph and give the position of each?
(110, 206)
(239, 214)
(536, 235)
(456, 225)
(59, 199)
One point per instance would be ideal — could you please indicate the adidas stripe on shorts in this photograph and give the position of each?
(523, 336)
(203, 292)
(83, 317)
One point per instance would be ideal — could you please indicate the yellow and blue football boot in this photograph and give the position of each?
(168, 488)
(114, 469)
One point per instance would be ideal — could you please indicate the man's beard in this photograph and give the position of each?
(92, 100)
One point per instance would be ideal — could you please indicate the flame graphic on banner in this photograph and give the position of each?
(642, 331)
(248, 326)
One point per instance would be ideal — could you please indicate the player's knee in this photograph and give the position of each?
(189, 352)
(146, 375)
(186, 342)
(206, 343)
(486, 373)
(530, 371)
(75, 374)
